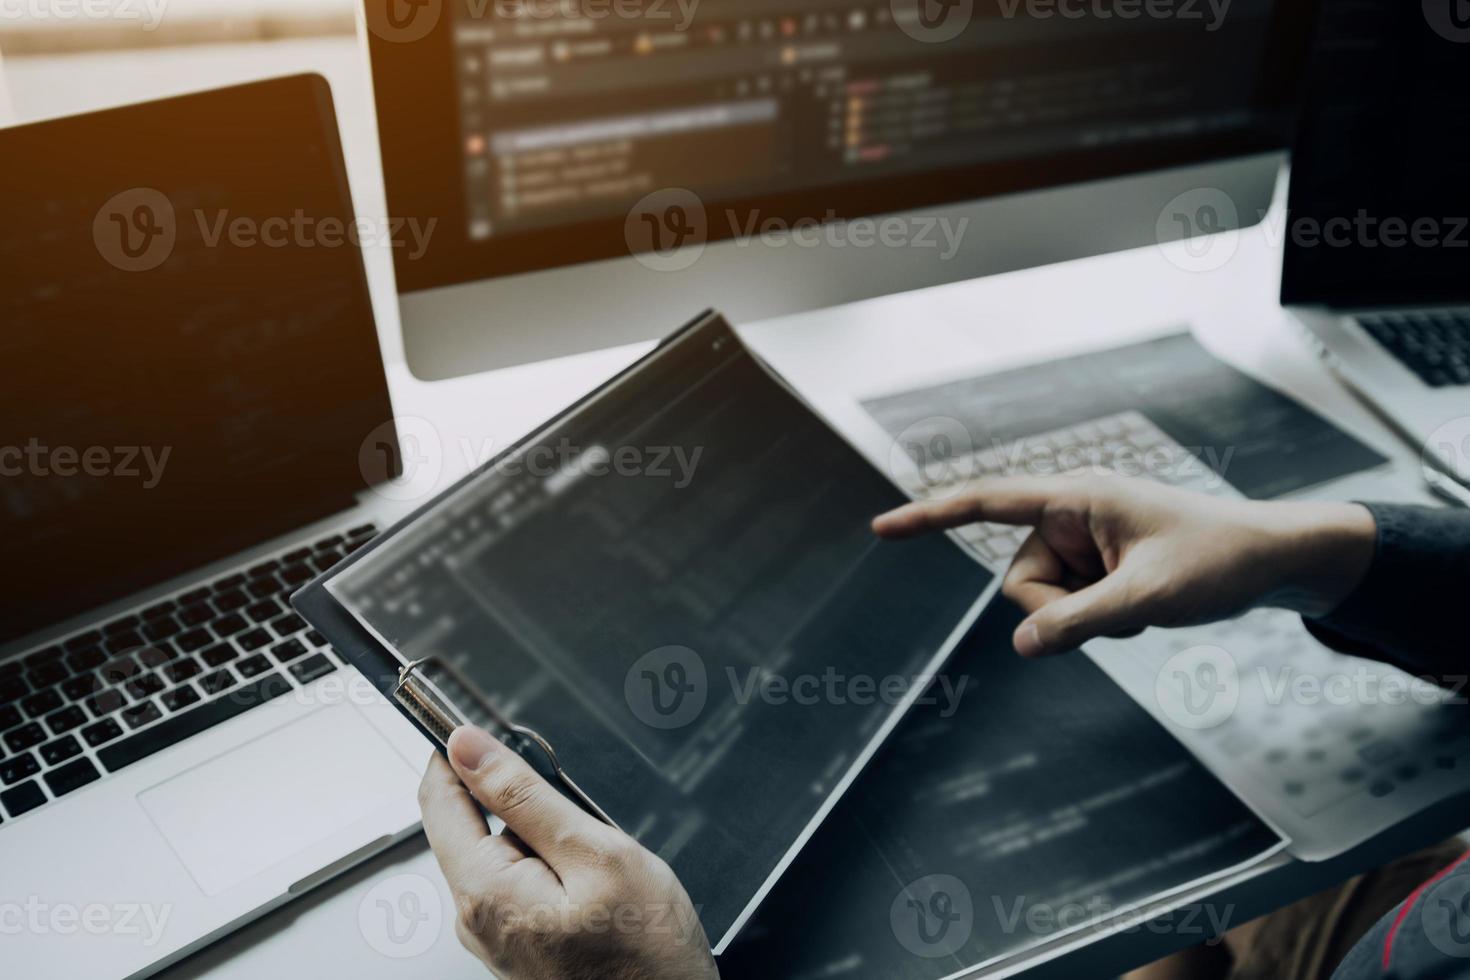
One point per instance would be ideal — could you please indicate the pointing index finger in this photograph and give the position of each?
(1002, 500)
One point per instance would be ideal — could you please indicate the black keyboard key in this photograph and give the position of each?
(66, 719)
(215, 683)
(352, 546)
(263, 611)
(12, 689)
(309, 670)
(123, 642)
(87, 658)
(292, 557)
(47, 674)
(180, 698)
(81, 687)
(120, 625)
(145, 686)
(325, 560)
(57, 752)
(141, 714)
(162, 629)
(45, 656)
(193, 640)
(194, 595)
(119, 669)
(182, 671)
(229, 625)
(254, 666)
(229, 582)
(156, 654)
(264, 568)
(91, 638)
(41, 704)
(220, 653)
(288, 651)
(102, 732)
(160, 609)
(192, 722)
(23, 798)
(106, 702)
(254, 640)
(18, 767)
(72, 776)
(231, 600)
(25, 737)
(288, 624)
(297, 574)
(329, 542)
(201, 612)
(363, 531)
(269, 585)
(9, 716)
(10, 668)
(316, 639)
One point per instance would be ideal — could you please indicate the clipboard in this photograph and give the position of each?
(684, 792)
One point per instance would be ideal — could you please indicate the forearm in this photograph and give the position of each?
(1409, 607)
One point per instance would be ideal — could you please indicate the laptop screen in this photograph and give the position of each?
(1380, 207)
(188, 355)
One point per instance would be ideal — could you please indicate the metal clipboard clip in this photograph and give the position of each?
(423, 699)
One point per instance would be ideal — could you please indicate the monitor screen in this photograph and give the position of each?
(1379, 207)
(531, 128)
(189, 359)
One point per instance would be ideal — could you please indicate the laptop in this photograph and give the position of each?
(198, 421)
(1377, 250)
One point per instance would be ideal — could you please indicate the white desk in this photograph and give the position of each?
(834, 356)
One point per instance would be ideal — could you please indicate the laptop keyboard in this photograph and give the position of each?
(105, 698)
(1434, 345)
(1126, 444)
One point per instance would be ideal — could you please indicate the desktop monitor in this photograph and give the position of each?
(597, 171)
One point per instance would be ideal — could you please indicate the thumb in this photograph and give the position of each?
(534, 810)
(1107, 607)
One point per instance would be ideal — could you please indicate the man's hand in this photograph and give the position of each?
(1111, 556)
(559, 895)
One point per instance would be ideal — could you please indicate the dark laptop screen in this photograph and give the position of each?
(1380, 205)
(187, 349)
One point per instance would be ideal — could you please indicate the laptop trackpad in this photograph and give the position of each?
(233, 817)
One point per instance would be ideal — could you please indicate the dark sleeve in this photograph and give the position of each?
(1412, 609)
